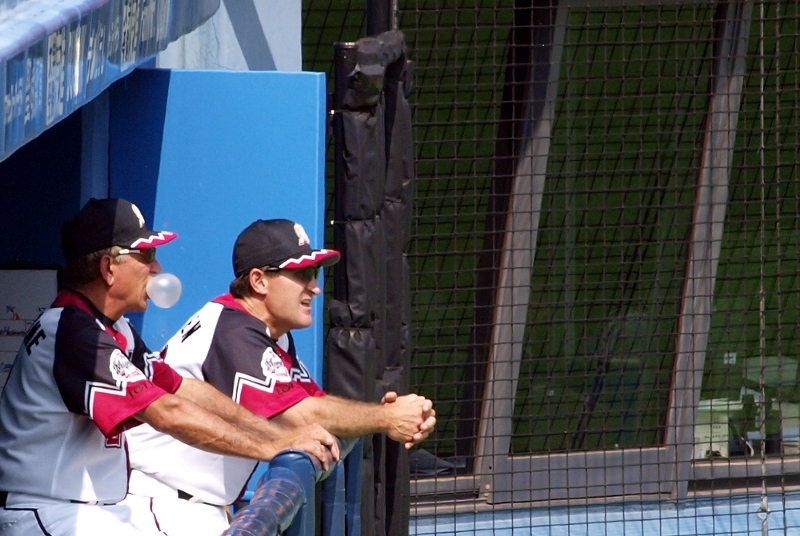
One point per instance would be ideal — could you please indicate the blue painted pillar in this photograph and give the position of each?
(205, 153)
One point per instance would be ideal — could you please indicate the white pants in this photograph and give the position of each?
(68, 519)
(175, 517)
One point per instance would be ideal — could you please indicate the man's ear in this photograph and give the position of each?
(107, 269)
(259, 281)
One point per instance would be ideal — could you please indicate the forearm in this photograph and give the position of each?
(408, 419)
(343, 418)
(206, 431)
(215, 402)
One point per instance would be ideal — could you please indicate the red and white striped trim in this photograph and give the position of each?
(315, 258)
(154, 240)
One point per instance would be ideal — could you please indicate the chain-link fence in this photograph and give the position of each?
(604, 250)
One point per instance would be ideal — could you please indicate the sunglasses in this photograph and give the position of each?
(304, 275)
(148, 254)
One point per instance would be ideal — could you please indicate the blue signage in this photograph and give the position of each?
(56, 56)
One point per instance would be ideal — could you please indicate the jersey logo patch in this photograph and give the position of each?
(273, 368)
(122, 370)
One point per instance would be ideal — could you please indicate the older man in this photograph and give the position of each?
(83, 376)
(242, 344)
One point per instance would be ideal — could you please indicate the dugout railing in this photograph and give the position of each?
(296, 497)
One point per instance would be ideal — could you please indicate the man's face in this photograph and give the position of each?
(288, 300)
(131, 277)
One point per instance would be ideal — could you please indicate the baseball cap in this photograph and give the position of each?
(103, 223)
(278, 243)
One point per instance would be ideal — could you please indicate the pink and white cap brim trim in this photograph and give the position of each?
(154, 240)
(316, 258)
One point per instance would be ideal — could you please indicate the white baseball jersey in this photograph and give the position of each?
(77, 381)
(226, 346)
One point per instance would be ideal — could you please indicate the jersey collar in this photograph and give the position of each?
(72, 298)
(227, 300)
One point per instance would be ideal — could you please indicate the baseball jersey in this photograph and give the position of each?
(76, 383)
(226, 346)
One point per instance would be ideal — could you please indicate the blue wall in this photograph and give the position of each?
(205, 153)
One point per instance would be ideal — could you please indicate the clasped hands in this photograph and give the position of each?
(411, 418)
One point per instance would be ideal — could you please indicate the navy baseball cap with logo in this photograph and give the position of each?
(104, 223)
(281, 244)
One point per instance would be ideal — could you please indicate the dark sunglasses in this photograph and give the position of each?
(304, 275)
(148, 254)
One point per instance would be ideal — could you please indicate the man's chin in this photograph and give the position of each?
(304, 322)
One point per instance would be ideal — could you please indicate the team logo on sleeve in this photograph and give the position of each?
(102, 393)
(273, 368)
(122, 370)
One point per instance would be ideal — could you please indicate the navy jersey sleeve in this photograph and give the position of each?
(95, 377)
(245, 363)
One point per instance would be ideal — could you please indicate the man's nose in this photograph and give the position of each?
(314, 286)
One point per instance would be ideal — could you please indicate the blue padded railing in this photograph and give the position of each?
(284, 500)
(276, 501)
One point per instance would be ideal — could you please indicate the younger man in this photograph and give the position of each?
(242, 344)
